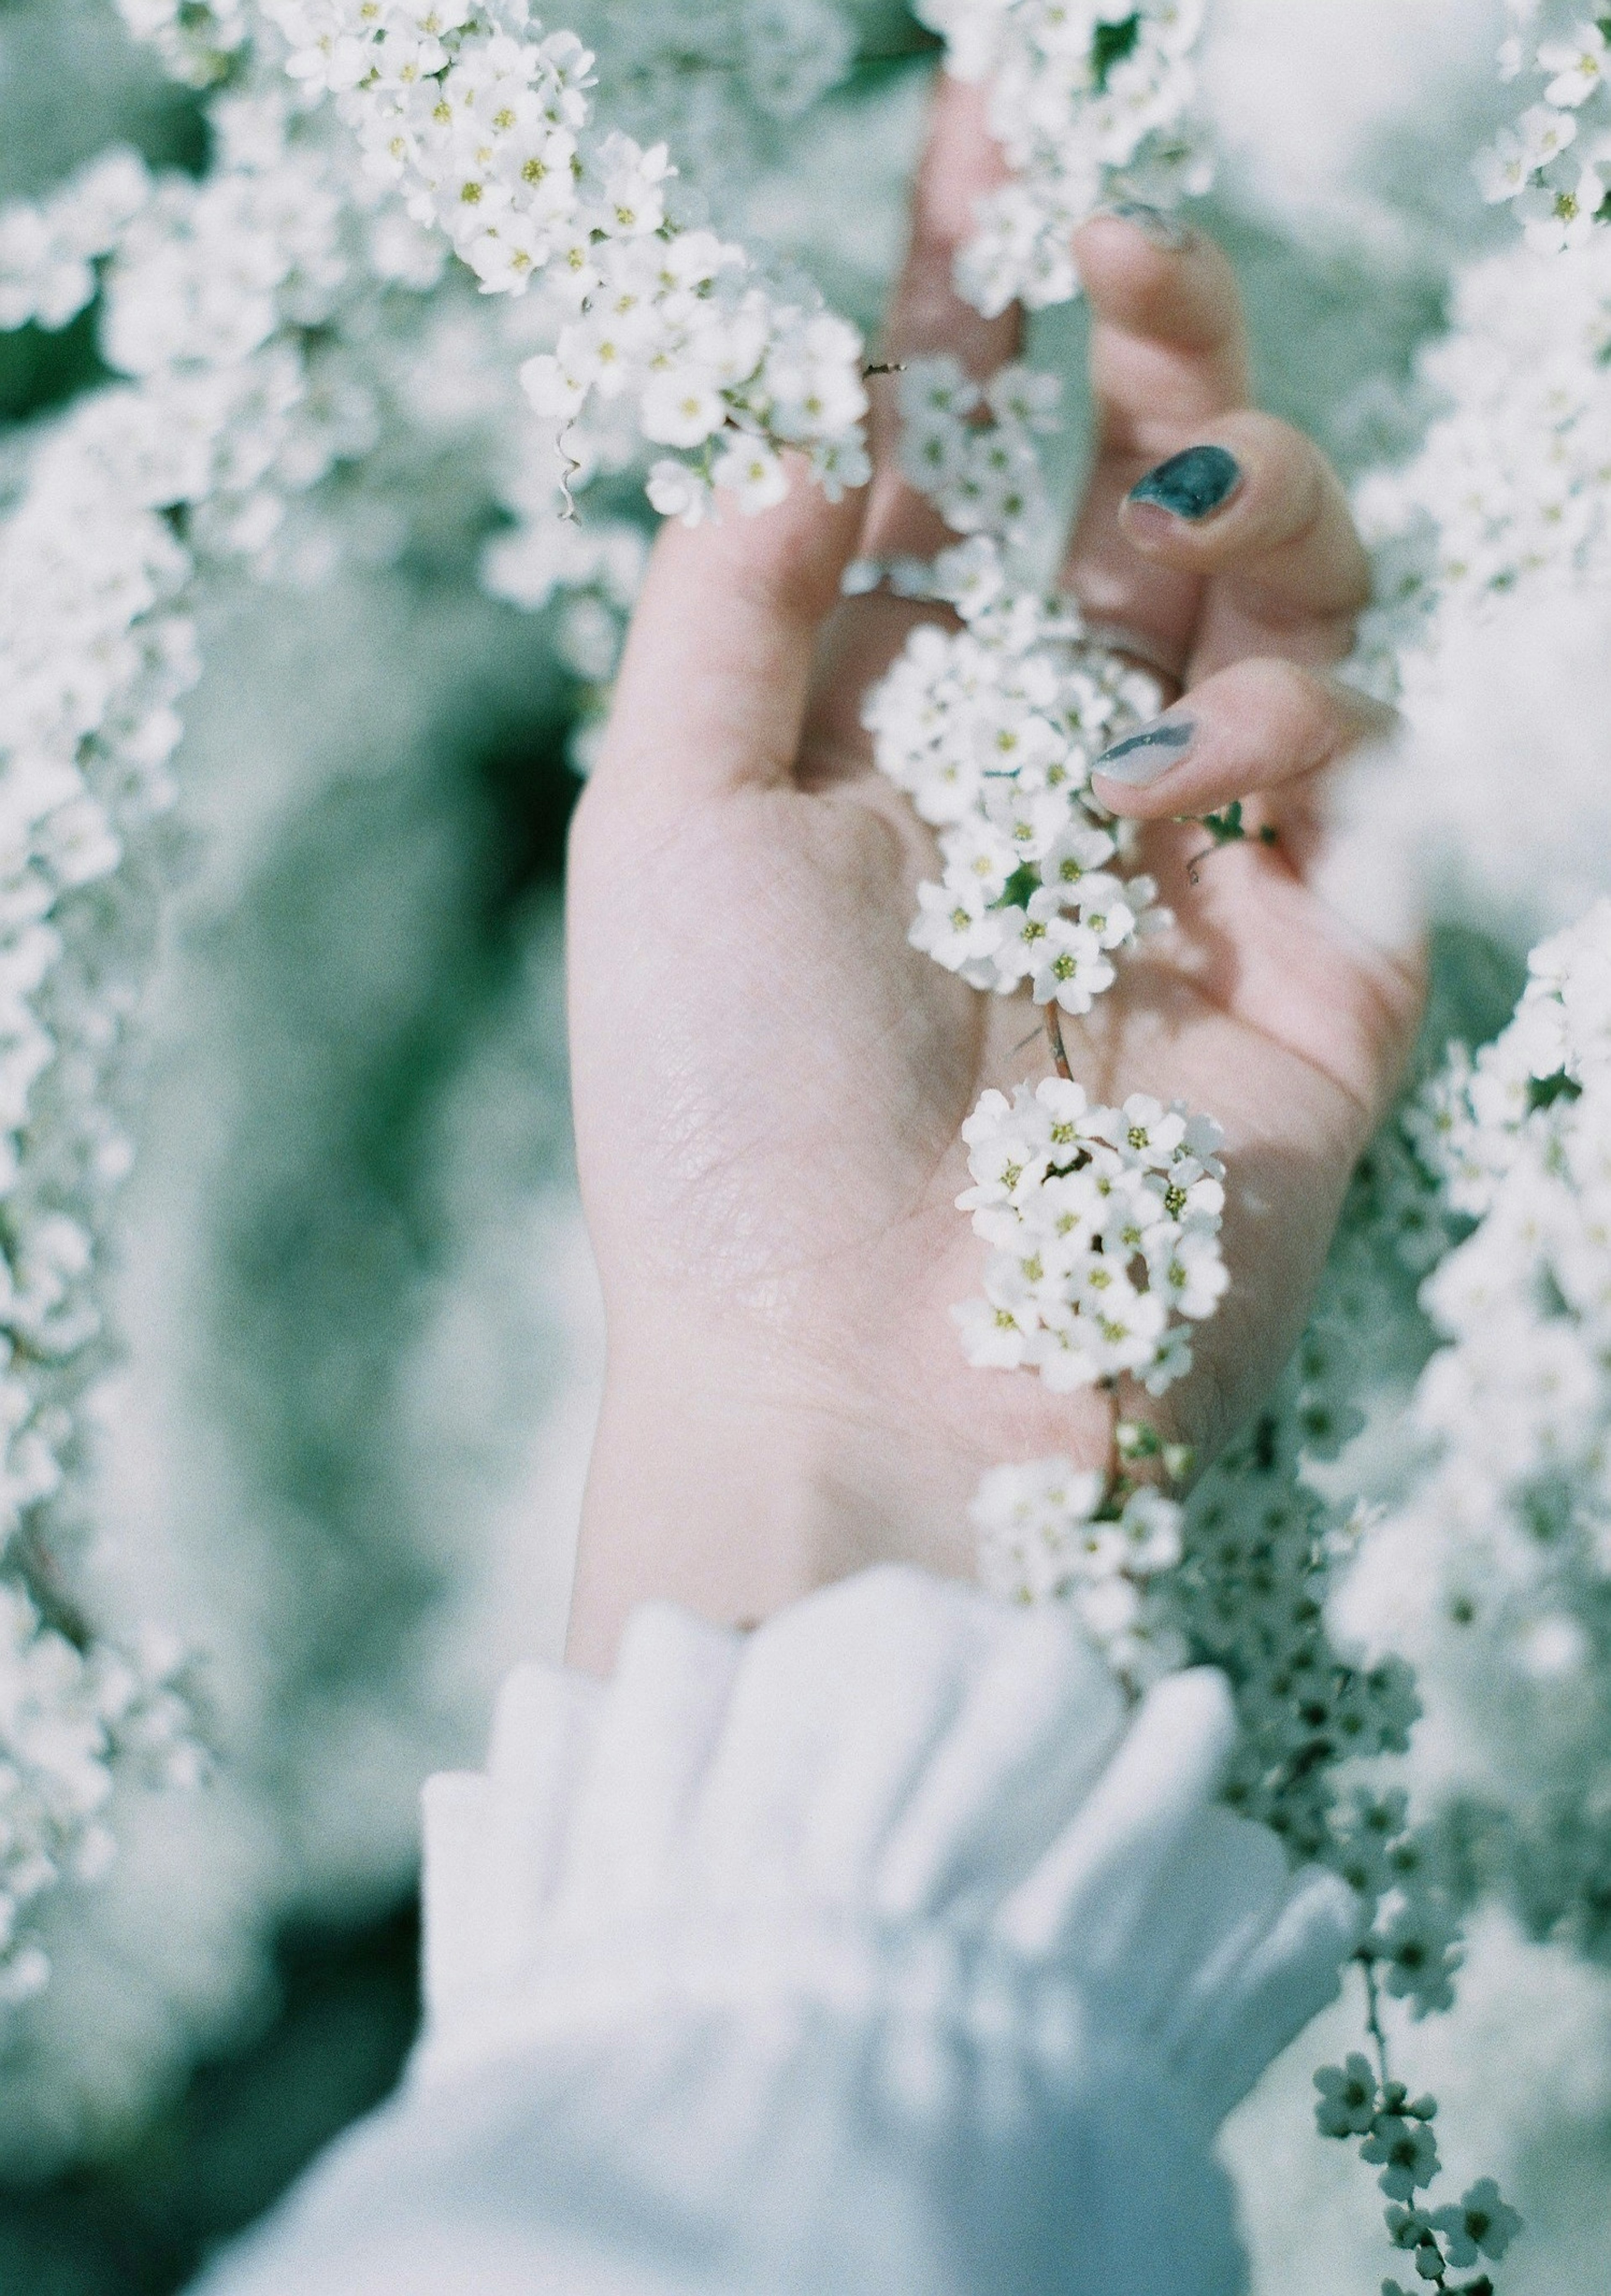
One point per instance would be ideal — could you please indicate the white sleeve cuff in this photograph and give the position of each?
(896, 1757)
(880, 1953)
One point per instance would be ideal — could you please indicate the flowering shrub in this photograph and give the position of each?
(293, 354)
(266, 327)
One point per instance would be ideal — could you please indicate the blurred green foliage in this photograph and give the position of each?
(141, 2222)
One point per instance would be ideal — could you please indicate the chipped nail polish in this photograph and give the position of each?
(1191, 485)
(1144, 757)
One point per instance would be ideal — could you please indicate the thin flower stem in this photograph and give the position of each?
(1373, 2015)
(1054, 1039)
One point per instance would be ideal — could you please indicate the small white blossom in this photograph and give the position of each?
(1481, 2225)
(676, 491)
(1560, 211)
(1579, 66)
(1348, 2105)
(752, 472)
(1406, 2150)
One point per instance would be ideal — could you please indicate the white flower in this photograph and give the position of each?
(1560, 212)
(556, 391)
(1190, 1275)
(1070, 967)
(682, 408)
(1077, 854)
(1481, 2225)
(996, 1336)
(676, 491)
(1150, 1527)
(1505, 169)
(751, 471)
(1579, 65)
(1544, 135)
(508, 257)
(955, 924)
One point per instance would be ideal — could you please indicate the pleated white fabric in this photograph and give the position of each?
(880, 1952)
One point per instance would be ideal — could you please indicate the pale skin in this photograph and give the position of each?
(770, 1083)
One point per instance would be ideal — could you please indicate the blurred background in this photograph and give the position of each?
(341, 1452)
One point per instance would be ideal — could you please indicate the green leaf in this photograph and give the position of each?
(1024, 879)
(1544, 1092)
(1225, 828)
(1111, 44)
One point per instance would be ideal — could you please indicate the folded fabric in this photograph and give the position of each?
(881, 1950)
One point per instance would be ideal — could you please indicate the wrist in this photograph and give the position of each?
(732, 1500)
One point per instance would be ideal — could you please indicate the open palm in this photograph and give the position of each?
(770, 1081)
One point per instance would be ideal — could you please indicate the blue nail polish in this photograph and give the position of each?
(1142, 758)
(1190, 485)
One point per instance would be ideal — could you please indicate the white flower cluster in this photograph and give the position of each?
(992, 730)
(1091, 102)
(970, 447)
(1519, 1399)
(1251, 1596)
(92, 662)
(209, 291)
(1510, 484)
(1357, 2101)
(1104, 1227)
(1239, 1578)
(1051, 1532)
(68, 1720)
(485, 124)
(49, 248)
(1555, 164)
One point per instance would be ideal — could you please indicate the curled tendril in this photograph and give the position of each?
(568, 467)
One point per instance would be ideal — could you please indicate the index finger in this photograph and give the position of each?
(959, 163)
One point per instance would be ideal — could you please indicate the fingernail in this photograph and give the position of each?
(1163, 230)
(1145, 757)
(1192, 485)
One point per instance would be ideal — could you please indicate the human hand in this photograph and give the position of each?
(770, 1082)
